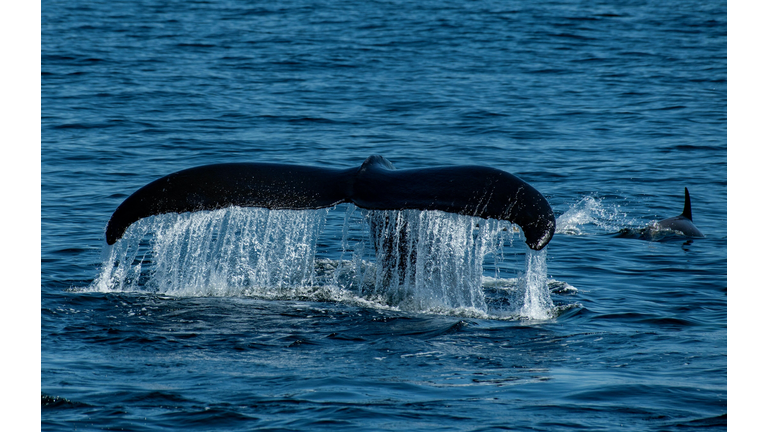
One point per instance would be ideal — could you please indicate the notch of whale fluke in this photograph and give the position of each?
(376, 185)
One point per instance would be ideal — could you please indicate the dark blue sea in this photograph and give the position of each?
(253, 319)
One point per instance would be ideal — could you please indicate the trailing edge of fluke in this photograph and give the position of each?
(376, 185)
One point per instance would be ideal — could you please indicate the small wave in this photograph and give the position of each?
(559, 287)
(47, 401)
(195, 45)
(571, 36)
(78, 126)
(702, 423)
(668, 108)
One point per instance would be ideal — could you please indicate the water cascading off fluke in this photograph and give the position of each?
(228, 252)
(419, 261)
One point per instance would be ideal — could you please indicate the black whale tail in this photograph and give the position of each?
(211, 187)
(375, 185)
(687, 209)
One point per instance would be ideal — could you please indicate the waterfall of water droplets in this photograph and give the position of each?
(537, 303)
(422, 261)
(432, 260)
(234, 251)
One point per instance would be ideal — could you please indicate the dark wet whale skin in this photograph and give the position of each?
(682, 224)
(375, 185)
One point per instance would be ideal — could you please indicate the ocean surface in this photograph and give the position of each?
(254, 319)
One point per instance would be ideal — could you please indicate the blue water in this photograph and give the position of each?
(608, 109)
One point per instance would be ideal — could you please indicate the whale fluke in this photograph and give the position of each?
(211, 187)
(376, 185)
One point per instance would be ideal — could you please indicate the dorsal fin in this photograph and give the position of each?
(687, 208)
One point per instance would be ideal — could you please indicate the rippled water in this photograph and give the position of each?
(244, 319)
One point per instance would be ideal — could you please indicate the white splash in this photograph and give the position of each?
(537, 303)
(419, 261)
(227, 252)
(591, 211)
(430, 260)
